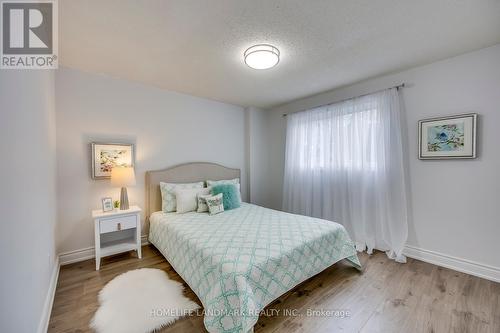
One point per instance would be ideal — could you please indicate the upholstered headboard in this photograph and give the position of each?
(184, 173)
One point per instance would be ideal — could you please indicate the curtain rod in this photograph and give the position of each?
(399, 86)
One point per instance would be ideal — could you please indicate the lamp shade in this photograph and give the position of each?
(122, 176)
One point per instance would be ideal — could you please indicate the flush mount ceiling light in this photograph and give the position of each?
(262, 56)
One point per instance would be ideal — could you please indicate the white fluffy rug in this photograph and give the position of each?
(140, 301)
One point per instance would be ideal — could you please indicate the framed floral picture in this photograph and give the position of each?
(105, 156)
(448, 137)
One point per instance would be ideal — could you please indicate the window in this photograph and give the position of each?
(338, 141)
(344, 163)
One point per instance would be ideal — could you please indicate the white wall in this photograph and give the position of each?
(455, 203)
(258, 163)
(167, 128)
(28, 199)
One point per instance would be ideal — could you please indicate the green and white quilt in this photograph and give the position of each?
(239, 261)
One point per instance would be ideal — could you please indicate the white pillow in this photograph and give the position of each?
(223, 182)
(168, 201)
(202, 201)
(187, 199)
(215, 204)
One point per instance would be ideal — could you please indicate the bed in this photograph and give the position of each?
(239, 261)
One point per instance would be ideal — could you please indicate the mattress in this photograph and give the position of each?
(239, 261)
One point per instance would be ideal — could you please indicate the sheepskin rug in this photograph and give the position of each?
(140, 301)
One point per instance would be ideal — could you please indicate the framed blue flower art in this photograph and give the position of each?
(448, 137)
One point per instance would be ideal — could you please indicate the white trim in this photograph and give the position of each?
(43, 326)
(76, 255)
(457, 264)
(86, 253)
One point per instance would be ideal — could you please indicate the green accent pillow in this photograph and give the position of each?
(231, 197)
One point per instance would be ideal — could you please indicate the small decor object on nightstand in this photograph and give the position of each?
(106, 227)
(123, 177)
(106, 156)
(107, 204)
(448, 137)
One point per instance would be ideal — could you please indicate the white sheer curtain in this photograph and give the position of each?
(344, 163)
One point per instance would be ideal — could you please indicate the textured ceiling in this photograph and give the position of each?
(196, 46)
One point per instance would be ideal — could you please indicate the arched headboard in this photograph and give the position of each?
(184, 173)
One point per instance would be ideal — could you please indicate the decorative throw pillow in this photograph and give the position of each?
(202, 202)
(168, 200)
(223, 182)
(187, 199)
(235, 181)
(231, 197)
(215, 205)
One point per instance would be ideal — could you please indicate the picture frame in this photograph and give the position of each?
(450, 137)
(105, 156)
(107, 204)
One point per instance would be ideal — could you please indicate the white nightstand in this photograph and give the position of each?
(107, 225)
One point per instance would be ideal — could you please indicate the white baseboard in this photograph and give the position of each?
(457, 264)
(76, 256)
(49, 299)
(86, 253)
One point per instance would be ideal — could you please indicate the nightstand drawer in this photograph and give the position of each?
(117, 223)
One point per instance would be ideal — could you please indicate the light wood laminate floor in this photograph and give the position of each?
(385, 297)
